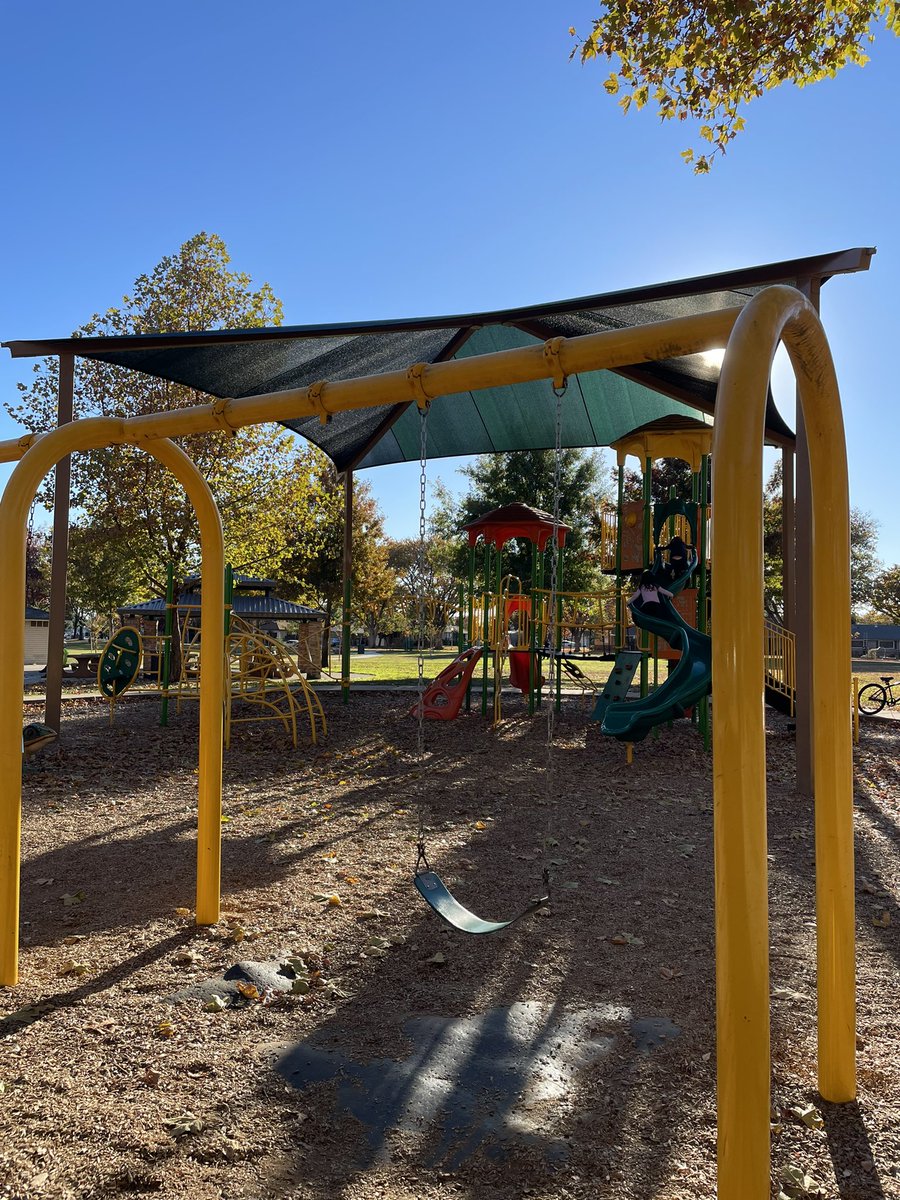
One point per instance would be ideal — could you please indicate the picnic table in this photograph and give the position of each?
(86, 665)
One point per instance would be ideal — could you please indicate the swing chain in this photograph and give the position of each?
(553, 657)
(420, 590)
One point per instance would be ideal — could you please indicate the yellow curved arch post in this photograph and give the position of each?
(37, 460)
(739, 764)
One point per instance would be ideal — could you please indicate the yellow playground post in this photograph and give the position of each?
(41, 455)
(751, 336)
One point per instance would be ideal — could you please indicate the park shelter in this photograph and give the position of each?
(255, 602)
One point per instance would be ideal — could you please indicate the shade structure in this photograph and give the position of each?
(599, 407)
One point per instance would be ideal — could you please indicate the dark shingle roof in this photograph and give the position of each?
(242, 606)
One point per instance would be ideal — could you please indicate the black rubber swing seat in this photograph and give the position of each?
(435, 893)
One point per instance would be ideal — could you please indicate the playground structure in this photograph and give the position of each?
(751, 336)
(264, 681)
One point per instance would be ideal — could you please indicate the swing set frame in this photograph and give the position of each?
(751, 336)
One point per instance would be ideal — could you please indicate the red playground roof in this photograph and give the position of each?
(516, 521)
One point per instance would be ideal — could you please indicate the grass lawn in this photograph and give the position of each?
(401, 667)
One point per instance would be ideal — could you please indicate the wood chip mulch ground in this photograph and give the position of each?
(110, 1088)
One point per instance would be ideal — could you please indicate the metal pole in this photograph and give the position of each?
(534, 663)
(643, 637)
(702, 625)
(348, 586)
(559, 632)
(620, 607)
(167, 643)
(486, 629)
(56, 635)
(471, 627)
(804, 600)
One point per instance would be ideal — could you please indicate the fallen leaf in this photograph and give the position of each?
(165, 1029)
(437, 960)
(181, 1126)
(248, 990)
(782, 993)
(626, 939)
(215, 1003)
(71, 898)
(150, 1077)
(883, 921)
(809, 1115)
(71, 967)
(182, 912)
(797, 1182)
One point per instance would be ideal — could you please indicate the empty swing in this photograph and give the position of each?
(428, 882)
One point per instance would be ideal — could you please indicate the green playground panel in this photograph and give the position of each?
(120, 662)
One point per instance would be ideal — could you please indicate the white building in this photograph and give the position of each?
(37, 634)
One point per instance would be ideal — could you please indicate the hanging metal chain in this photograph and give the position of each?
(553, 628)
(420, 599)
(554, 560)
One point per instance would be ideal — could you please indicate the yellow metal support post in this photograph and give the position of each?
(739, 779)
(40, 457)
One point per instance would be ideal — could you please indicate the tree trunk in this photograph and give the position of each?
(326, 635)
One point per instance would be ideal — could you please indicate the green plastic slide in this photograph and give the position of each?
(689, 682)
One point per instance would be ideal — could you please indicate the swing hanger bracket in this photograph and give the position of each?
(552, 358)
(415, 377)
(314, 394)
(220, 416)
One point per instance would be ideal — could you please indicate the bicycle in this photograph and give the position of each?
(874, 696)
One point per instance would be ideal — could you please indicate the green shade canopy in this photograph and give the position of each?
(599, 407)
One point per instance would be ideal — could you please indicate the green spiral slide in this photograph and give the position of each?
(691, 680)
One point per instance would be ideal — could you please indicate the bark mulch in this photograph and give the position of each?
(110, 1087)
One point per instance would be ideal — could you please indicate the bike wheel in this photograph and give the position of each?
(872, 699)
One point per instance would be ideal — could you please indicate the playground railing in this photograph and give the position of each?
(780, 660)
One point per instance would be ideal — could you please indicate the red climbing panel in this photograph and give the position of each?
(443, 697)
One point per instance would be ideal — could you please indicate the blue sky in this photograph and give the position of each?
(411, 159)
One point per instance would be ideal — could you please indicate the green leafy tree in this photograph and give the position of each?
(705, 62)
(99, 579)
(528, 476)
(665, 474)
(886, 595)
(122, 494)
(864, 565)
(312, 565)
(38, 545)
(432, 578)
